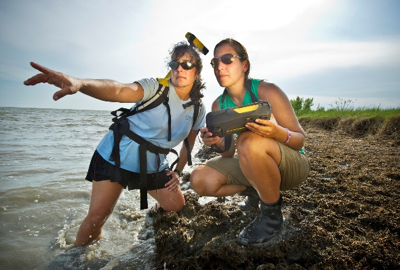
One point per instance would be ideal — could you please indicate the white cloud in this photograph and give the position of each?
(129, 40)
(305, 57)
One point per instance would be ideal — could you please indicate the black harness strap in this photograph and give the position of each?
(120, 127)
(143, 175)
(189, 156)
(196, 111)
(169, 117)
(154, 101)
(252, 95)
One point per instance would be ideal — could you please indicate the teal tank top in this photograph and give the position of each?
(228, 102)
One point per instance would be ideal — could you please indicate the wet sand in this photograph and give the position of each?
(345, 216)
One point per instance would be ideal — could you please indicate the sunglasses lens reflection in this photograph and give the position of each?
(187, 65)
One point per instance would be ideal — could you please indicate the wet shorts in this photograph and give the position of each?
(294, 168)
(100, 169)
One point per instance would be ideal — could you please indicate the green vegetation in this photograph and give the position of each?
(340, 108)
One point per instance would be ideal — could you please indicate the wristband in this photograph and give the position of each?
(288, 136)
(178, 172)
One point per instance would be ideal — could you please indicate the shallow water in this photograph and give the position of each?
(44, 155)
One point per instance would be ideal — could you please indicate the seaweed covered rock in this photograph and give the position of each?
(205, 237)
(345, 216)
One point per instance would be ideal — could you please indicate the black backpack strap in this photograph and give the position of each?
(158, 98)
(196, 111)
(161, 96)
(252, 95)
(228, 142)
(166, 103)
(143, 175)
(119, 113)
(223, 97)
(120, 127)
(197, 107)
(189, 151)
(145, 146)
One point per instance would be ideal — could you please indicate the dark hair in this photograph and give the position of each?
(239, 49)
(177, 52)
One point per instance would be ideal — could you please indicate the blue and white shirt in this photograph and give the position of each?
(152, 125)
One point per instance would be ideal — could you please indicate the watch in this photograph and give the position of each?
(179, 172)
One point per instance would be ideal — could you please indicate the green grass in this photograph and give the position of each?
(341, 108)
(359, 112)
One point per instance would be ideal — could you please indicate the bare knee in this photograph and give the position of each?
(197, 180)
(250, 145)
(247, 143)
(207, 181)
(176, 207)
(172, 201)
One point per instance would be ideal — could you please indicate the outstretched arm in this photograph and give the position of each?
(106, 90)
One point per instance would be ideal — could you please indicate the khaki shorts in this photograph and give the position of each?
(294, 168)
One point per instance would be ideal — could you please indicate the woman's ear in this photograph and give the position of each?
(245, 65)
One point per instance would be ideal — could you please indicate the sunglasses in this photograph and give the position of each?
(226, 59)
(185, 65)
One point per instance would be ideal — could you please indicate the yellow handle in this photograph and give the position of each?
(246, 109)
(192, 40)
(196, 42)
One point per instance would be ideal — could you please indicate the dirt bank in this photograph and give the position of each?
(345, 216)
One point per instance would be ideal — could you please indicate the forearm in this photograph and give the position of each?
(182, 158)
(222, 146)
(183, 153)
(109, 90)
(291, 138)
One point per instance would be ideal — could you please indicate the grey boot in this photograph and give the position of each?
(252, 200)
(264, 226)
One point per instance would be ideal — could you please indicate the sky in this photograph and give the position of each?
(328, 50)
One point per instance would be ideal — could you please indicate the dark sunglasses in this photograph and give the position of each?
(226, 59)
(185, 65)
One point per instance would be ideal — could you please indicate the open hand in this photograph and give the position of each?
(264, 128)
(68, 85)
(174, 183)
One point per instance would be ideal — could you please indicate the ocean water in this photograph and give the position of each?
(44, 156)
